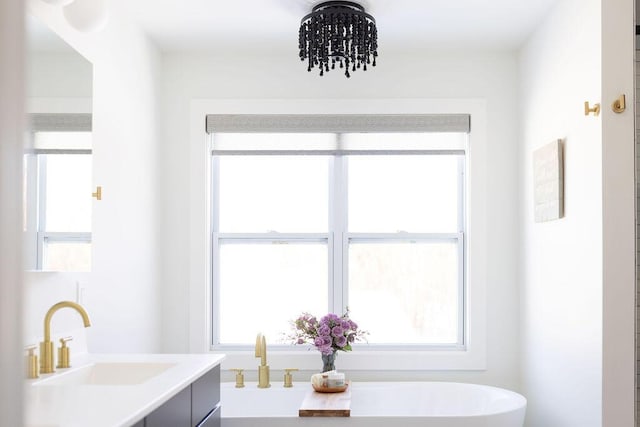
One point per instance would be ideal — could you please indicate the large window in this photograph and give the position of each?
(57, 193)
(320, 222)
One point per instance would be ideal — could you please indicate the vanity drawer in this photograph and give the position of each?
(197, 405)
(213, 419)
(175, 413)
(205, 395)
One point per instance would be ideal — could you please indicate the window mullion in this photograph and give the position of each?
(215, 194)
(462, 263)
(461, 194)
(272, 237)
(215, 251)
(42, 193)
(403, 237)
(462, 296)
(41, 209)
(31, 200)
(338, 204)
(65, 236)
(215, 292)
(31, 166)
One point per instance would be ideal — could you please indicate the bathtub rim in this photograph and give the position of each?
(520, 401)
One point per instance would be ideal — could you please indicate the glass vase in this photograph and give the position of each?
(329, 362)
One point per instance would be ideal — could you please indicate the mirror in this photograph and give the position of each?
(58, 158)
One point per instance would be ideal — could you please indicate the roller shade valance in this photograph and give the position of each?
(60, 122)
(343, 123)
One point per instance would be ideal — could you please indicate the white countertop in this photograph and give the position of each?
(49, 405)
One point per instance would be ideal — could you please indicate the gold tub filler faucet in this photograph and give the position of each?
(263, 369)
(46, 347)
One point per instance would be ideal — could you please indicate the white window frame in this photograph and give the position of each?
(337, 241)
(473, 357)
(36, 192)
(36, 165)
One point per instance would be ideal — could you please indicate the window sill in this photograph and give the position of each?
(364, 360)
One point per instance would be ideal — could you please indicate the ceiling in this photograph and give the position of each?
(229, 25)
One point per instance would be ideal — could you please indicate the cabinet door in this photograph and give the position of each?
(174, 413)
(213, 420)
(205, 395)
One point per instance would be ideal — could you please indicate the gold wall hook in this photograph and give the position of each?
(595, 109)
(98, 193)
(619, 105)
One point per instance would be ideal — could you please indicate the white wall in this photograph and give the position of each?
(58, 75)
(561, 325)
(11, 128)
(485, 75)
(58, 82)
(122, 289)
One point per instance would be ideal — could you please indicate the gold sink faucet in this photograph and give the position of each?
(46, 347)
(263, 369)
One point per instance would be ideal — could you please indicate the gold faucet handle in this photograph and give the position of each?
(32, 362)
(239, 377)
(288, 378)
(64, 358)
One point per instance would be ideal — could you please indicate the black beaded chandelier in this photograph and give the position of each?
(338, 32)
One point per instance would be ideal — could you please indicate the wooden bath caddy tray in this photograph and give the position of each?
(326, 404)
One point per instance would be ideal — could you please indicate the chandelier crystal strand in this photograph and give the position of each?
(338, 32)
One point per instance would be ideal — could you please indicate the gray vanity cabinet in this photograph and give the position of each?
(213, 420)
(176, 412)
(205, 396)
(197, 405)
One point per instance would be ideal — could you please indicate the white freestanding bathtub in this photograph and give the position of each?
(406, 404)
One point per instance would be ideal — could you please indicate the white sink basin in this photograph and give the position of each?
(114, 373)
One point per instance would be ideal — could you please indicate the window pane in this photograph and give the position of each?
(273, 141)
(62, 140)
(68, 192)
(66, 256)
(408, 193)
(405, 292)
(273, 193)
(404, 141)
(263, 286)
